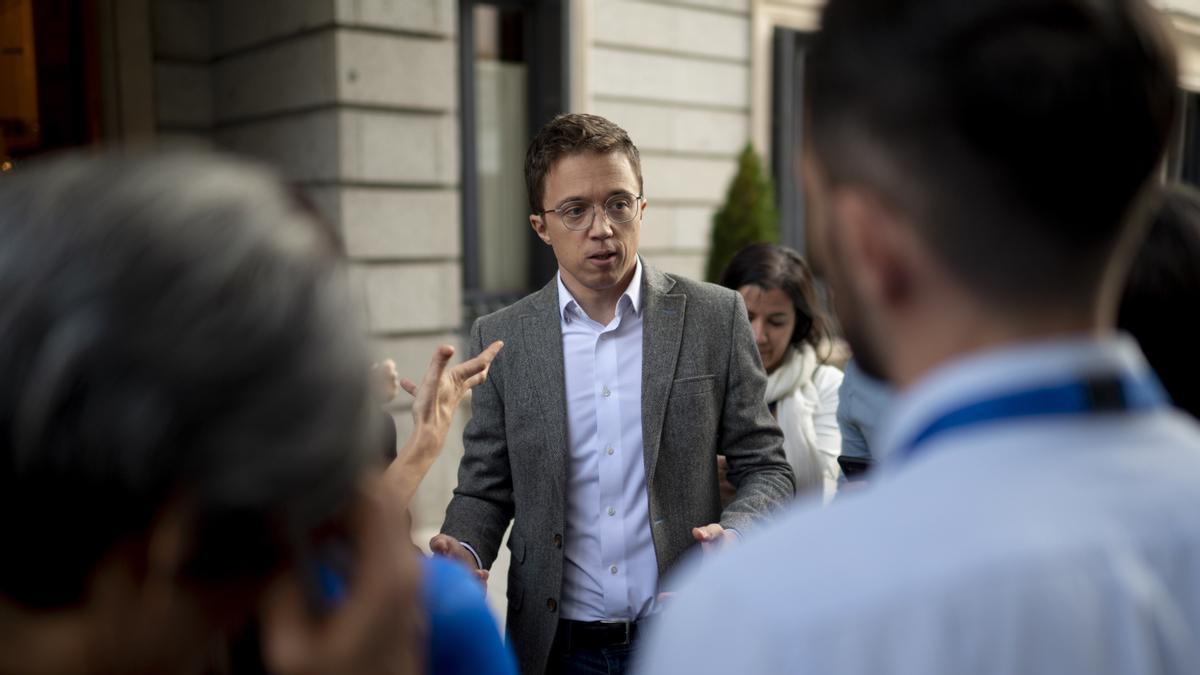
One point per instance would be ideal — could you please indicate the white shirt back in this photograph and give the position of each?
(1035, 546)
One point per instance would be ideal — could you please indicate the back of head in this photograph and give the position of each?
(1163, 287)
(1016, 135)
(172, 334)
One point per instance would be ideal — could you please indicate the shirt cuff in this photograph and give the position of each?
(467, 546)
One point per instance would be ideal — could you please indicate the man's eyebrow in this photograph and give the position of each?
(580, 198)
(572, 198)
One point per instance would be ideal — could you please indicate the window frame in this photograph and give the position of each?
(548, 94)
(787, 132)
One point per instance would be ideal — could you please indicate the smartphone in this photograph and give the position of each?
(855, 468)
(329, 565)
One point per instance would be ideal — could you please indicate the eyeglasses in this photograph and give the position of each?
(579, 215)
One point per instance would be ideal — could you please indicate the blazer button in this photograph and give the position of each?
(551, 605)
(558, 541)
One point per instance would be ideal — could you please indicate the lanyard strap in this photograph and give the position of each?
(1093, 395)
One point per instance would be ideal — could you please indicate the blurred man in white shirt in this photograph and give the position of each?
(978, 171)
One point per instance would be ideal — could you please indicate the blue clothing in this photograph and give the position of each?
(463, 636)
(862, 403)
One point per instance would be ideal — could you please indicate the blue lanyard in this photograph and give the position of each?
(1105, 394)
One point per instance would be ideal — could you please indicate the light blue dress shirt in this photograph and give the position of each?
(610, 571)
(1031, 546)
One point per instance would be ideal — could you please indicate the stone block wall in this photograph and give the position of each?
(354, 101)
(676, 75)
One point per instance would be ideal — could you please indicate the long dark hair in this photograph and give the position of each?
(770, 266)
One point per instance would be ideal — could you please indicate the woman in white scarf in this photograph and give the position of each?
(789, 327)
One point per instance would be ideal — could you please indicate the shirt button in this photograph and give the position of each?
(551, 604)
(613, 569)
(610, 451)
(558, 541)
(606, 393)
(612, 511)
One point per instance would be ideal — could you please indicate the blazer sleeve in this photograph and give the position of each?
(750, 439)
(482, 505)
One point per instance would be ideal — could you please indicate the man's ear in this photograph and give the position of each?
(538, 223)
(876, 244)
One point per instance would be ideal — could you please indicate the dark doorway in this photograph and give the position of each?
(50, 97)
(514, 78)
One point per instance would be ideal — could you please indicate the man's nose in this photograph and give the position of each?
(600, 227)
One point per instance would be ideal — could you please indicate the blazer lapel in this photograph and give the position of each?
(541, 332)
(662, 333)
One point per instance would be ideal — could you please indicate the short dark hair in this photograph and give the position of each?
(770, 266)
(1018, 135)
(171, 331)
(572, 134)
(1163, 286)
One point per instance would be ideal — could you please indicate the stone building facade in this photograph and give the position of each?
(360, 103)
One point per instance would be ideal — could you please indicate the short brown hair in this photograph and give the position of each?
(572, 134)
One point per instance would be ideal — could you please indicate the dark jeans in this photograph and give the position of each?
(575, 660)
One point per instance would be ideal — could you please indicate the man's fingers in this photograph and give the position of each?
(449, 547)
(441, 356)
(441, 544)
(710, 532)
(409, 386)
(492, 350)
(467, 371)
(475, 379)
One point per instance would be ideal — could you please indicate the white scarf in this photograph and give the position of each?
(795, 413)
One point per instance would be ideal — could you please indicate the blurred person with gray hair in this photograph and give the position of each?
(184, 430)
(980, 173)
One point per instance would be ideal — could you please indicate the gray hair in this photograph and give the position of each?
(172, 329)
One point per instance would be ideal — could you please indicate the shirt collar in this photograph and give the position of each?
(567, 304)
(999, 371)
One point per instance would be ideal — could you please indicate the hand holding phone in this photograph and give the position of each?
(350, 605)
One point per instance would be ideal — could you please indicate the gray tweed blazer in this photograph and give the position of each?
(702, 394)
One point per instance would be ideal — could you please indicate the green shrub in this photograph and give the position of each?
(748, 216)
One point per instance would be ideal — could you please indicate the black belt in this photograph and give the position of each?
(595, 634)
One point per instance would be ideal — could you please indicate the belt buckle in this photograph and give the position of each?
(628, 626)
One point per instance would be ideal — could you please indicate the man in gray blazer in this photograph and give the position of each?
(598, 428)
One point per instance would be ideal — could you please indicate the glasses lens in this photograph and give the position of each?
(621, 209)
(576, 215)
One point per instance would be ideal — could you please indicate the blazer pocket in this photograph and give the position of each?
(516, 582)
(516, 593)
(689, 386)
(516, 544)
